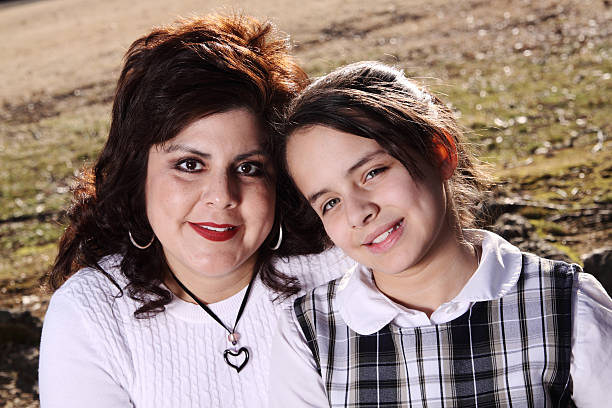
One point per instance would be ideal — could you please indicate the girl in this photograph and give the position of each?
(434, 313)
(166, 278)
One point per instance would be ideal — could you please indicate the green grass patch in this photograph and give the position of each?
(36, 171)
(574, 256)
(544, 228)
(534, 213)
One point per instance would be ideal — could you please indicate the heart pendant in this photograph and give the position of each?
(233, 353)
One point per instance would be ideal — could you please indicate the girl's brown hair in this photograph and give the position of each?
(376, 101)
(170, 78)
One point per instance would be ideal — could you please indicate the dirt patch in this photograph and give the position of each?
(41, 106)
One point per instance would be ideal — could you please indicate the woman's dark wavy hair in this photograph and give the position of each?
(172, 77)
(376, 101)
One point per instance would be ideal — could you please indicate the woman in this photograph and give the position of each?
(165, 278)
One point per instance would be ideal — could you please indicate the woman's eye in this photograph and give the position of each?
(250, 169)
(190, 165)
(373, 173)
(330, 204)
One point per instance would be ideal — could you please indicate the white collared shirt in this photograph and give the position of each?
(366, 310)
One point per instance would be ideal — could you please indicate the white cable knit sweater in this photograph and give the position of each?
(94, 353)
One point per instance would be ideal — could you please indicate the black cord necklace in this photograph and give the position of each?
(233, 336)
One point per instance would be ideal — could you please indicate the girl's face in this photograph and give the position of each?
(370, 205)
(210, 195)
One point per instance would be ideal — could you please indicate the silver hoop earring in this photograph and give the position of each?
(140, 246)
(280, 238)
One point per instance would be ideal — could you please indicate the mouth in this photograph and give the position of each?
(215, 232)
(385, 239)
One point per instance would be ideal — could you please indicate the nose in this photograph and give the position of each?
(220, 192)
(360, 209)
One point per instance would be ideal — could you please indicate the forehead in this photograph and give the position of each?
(326, 141)
(320, 155)
(231, 131)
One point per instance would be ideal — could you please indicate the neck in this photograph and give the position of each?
(209, 289)
(434, 280)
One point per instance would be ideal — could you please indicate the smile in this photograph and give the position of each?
(218, 229)
(386, 239)
(215, 232)
(385, 234)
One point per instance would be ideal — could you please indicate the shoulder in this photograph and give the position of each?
(99, 307)
(569, 282)
(322, 297)
(592, 299)
(90, 288)
(87, 331)
(537, 267)
(91, 279)
(89, 300)
(317, 269)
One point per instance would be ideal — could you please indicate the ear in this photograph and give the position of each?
(447, 155)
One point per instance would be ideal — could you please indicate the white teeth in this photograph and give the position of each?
(384, 235)
(216, 229)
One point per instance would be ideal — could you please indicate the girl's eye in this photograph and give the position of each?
(250, 169)
(190, 165)
(373, 173)
(330, 204)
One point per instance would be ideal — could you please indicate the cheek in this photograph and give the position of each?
(410, 194)
(152, 195)
(429, 203)
(259, 201)
(337, 231)
(433, 191)
(165, 197)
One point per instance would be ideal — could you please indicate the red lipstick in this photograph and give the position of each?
(215, 232)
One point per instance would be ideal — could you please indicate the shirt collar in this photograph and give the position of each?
(498, 270)
(366, 310)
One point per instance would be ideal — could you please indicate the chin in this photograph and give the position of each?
(389, 271)
(395, 268)
(210, 269)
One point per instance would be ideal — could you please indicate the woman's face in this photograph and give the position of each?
(369, 204)
(210, 196)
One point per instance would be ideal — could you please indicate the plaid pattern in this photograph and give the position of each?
(512, 351)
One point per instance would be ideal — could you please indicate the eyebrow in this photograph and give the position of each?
(365, 159)
(184, 148)
(181, 147)
(257, 152)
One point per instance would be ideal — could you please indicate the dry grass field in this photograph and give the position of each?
(529, 79)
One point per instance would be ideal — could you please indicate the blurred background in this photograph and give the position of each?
(530, 80)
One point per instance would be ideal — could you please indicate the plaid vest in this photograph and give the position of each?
(512, 351)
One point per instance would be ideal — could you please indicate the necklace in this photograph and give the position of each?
(233, 336)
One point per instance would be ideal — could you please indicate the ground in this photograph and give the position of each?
(529, 80)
